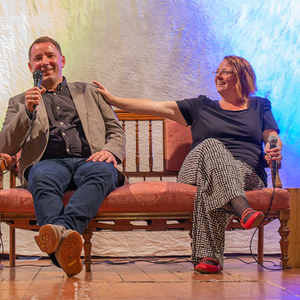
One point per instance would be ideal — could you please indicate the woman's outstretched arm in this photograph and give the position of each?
(166, 109)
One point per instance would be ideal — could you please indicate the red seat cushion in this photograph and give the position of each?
(16, 200)
(146, 196)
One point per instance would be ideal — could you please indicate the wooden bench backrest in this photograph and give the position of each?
(176, 141)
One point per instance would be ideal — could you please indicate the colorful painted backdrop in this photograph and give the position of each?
(163, 50)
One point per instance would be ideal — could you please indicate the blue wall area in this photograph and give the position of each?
(266, 33)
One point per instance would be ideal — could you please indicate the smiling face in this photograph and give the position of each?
(225, 83)
(46, 57)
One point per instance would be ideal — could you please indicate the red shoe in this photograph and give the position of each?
(207, 268)
(256, 218)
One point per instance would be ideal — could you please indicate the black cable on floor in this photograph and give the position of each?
(149, 260)
(277, 269)
(252, 262)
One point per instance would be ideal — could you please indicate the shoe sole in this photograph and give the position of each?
(49, 238)
(38, 242)
(69, 253)
(257, 221)
(205, 271)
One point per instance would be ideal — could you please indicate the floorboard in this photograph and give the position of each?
(149, 278)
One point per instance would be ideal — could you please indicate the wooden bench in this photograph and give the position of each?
(161, 203)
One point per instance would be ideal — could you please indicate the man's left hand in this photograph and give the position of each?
(103, 156)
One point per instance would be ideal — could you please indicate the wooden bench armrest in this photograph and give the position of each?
(8, 163)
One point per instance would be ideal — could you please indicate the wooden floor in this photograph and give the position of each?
(149, 278)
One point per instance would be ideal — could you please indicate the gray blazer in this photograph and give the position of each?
(100, 125)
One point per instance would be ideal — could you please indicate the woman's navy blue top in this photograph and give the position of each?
(240, 131)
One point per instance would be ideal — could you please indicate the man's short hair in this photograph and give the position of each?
(44, 39)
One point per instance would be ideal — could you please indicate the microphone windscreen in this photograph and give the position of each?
(38, 74)
(37, 77)
(272, 140)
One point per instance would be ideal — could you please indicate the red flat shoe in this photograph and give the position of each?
(207, 268)
(256, 218)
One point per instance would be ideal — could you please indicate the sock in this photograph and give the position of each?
(54, 260)
(239, 204)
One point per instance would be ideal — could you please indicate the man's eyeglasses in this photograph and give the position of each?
(222, 72)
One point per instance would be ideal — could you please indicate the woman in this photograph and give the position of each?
(226, 156)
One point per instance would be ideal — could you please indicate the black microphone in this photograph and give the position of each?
(272, 140)
(37, 78)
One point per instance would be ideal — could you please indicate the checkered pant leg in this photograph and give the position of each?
(219, 178)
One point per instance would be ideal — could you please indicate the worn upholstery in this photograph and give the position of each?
(161, 196)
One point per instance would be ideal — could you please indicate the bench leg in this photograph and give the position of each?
(87, 235)
(12, 246)
(284, 243)
(1, 266)
(260, 245)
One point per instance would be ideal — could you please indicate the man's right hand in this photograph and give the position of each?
(33, 97)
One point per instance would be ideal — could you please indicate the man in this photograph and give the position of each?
(70, 140)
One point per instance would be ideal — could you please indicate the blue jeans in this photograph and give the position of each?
(50, 178)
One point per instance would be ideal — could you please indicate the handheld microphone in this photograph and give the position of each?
(37, 78)
(272, 140)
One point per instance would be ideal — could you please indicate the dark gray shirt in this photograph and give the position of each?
(66, 135)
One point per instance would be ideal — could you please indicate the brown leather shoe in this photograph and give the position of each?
(49, 237)
(68, 253)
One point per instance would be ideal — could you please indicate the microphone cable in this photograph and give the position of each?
(272, 199)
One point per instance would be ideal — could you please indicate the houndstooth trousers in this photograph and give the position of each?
(219, 178)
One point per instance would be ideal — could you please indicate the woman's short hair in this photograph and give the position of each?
(45, 39)
(246, 79)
